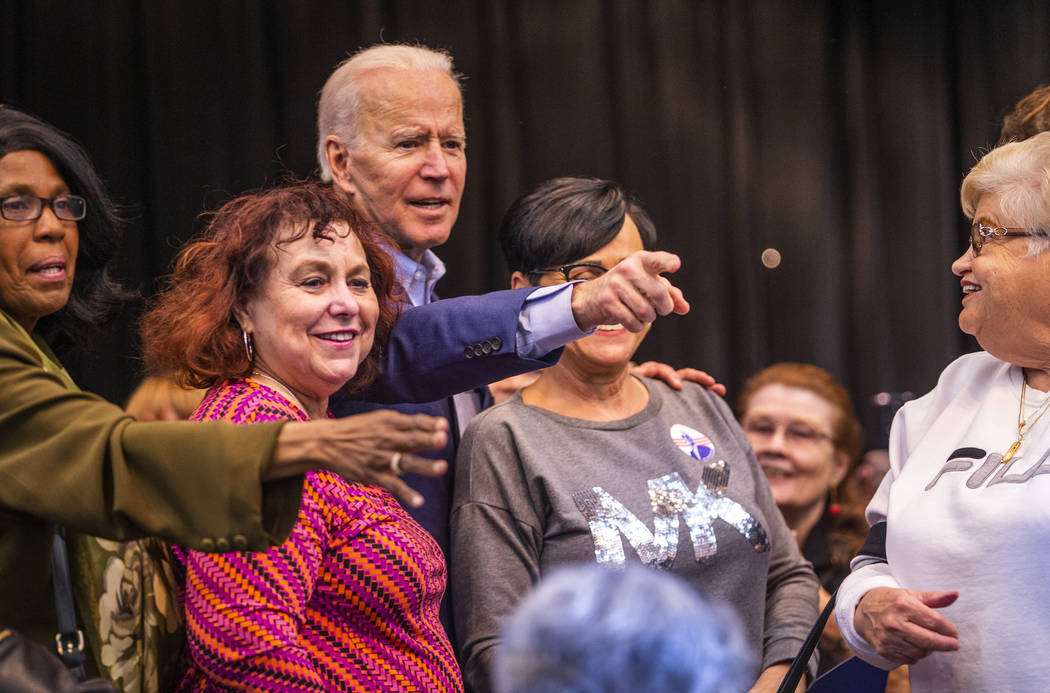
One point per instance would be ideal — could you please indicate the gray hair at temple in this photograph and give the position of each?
(590, 629)
(1019, 172)
(339, 106)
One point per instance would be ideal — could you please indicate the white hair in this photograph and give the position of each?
(587, 628)
(338, 108)
(1019, 172)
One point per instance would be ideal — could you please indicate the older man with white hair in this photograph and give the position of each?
(391, 135)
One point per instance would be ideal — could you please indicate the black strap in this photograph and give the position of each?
(798, 666)
(69, 640)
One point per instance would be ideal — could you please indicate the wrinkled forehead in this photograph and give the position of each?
(391, 97)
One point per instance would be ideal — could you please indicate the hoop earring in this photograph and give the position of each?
(248, 346)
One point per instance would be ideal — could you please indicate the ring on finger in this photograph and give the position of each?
(395, 463)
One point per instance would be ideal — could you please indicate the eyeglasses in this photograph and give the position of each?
(576, 272)
(27, 207)
(796, 434)
(979, 233)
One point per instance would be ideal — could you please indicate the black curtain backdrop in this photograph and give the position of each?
(836, 131)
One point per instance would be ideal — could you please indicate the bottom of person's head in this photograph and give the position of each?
(593, 629)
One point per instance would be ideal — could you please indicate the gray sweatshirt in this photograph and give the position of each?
(675, 486)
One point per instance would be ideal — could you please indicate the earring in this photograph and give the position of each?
(834, 509)
(248, 346)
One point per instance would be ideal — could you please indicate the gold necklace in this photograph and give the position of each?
(280, 387)
(1022, 429)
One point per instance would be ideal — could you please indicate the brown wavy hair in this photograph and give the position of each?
(1031, 115)
(189, 330)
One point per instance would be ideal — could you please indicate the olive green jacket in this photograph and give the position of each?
(73, 459)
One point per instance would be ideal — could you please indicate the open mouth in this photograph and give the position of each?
(433, 203)
(774, 473)
(51, 268)
(608, 328)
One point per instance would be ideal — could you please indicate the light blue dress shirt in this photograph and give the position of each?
(544, 324)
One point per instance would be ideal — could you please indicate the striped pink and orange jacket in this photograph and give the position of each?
(348, 603)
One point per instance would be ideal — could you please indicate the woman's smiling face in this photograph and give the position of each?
(611, 346)
(791, 430)
(313, 320)
(1006, 291)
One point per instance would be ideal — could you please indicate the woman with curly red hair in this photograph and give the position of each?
(285, 299)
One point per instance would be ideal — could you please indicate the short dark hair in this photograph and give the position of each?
(96, 295)
(566, 219)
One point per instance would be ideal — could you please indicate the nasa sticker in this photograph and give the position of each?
(692, 442)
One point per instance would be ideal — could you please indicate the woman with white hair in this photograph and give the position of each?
(588, 629)
(950, 580)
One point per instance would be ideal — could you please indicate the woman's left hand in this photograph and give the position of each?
(661, 371)
(904, 625)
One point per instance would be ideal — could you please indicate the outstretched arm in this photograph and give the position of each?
(458, 344)
(187, 482)
(362, 447)
(454, 345)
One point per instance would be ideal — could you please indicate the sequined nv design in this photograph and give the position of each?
(670, 499)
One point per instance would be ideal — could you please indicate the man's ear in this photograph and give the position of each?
(519, 281)
(338, 157)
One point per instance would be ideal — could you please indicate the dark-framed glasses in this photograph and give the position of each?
(576, 272)
(27, 207)
(796, 433)
(981, 232)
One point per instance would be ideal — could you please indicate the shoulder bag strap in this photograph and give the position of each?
(69, 639)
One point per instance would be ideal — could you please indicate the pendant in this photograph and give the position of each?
(1011, 451)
